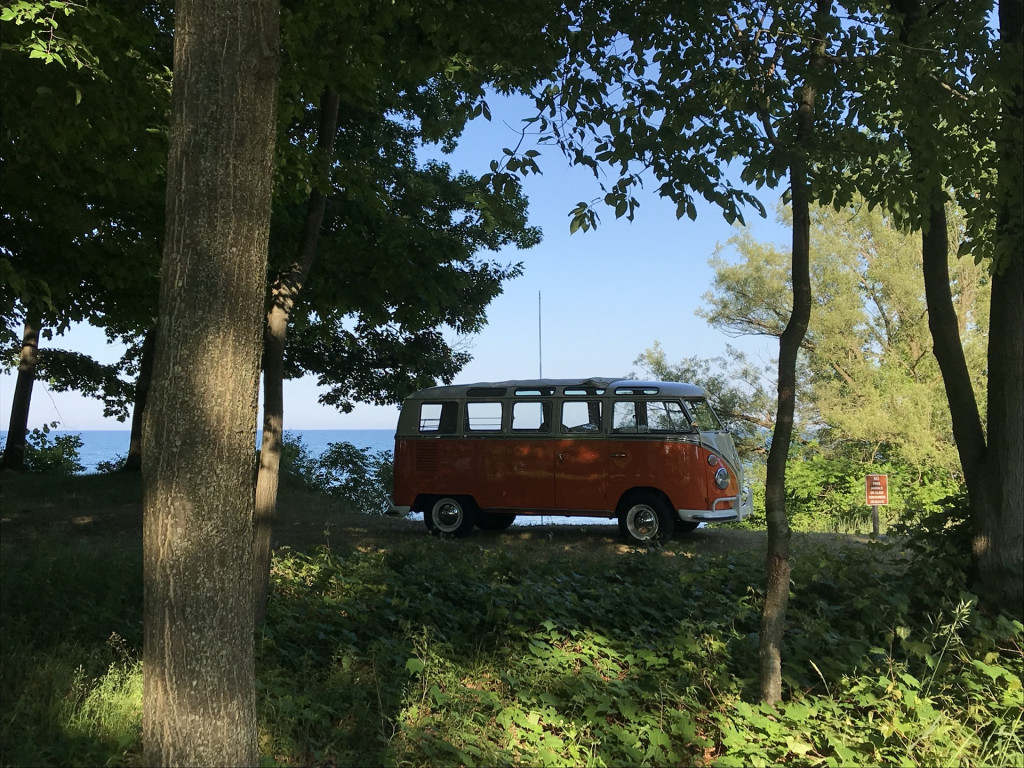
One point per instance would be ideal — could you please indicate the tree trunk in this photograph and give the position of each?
(949, 352)
(199, 435)
(992, 466)
(28, 361)
(999, 545)
(773, 617)
(133, 462)
(282, 301)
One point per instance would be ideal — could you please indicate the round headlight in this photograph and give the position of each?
(722, 478)
(712, 459)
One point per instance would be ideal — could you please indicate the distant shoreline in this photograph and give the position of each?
(99, 446)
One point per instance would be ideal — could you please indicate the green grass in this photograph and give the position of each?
(444, 653)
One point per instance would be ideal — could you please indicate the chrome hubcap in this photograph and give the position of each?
(642, 522)
(447, 516)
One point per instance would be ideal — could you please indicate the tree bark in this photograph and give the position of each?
(999, 543)
(28, 362)
(773, 617)
(283, 295)
(956, 377)
(993, 465)
(133, 462)
(199, 435)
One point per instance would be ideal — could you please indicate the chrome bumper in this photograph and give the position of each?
(724, 510)
(396, 511)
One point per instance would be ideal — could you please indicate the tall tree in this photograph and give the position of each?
(676, 94)
(357, 114)
(82, 152)
(868, 370)
(999, 547)
(284, 291)
(28, 362)
(200, 430)
(946, 114)
(873, 393)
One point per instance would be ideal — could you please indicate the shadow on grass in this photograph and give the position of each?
(496, 649)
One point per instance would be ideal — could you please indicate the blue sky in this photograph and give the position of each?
(608, 294)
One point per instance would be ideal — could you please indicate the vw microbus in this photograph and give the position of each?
(651, 454)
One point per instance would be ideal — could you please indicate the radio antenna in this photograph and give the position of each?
(540, 348)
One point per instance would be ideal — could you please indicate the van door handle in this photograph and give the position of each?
(618, 455)
(560, 457)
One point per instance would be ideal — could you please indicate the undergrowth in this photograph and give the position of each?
(446, 653)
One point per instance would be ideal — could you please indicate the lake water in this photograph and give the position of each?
(109, 444)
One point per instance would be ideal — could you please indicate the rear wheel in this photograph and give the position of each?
(451, 516)
(495, 522)
(647, 518)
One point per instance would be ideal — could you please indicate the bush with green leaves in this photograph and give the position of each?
(46, 452)
(115, 464)
(359, 476)
(825, 488)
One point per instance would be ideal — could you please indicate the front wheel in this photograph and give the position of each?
(647, 519)
(450, 516)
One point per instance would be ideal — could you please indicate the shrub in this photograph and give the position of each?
(358, 476)
(298, 465)
(361, 478)
(58, 454)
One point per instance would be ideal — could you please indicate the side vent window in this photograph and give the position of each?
(581, 416)
(483, 417)
(439, 418)
(531, 417)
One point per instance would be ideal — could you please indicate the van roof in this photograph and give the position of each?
(609, 384)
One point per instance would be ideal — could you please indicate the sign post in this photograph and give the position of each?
(876, 494)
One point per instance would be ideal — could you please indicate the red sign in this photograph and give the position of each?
(876, 490)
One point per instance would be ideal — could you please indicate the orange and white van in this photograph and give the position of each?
(651, 453)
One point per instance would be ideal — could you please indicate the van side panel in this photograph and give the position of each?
(531, 465)
(675, 467)
(478, 468)
(581, 475)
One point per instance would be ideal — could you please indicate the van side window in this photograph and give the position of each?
(531, 417)
(703, 415)
(624, 417)
(483, 417)
(441, 418)
(639, 416)
(581, 416)
(666, 416)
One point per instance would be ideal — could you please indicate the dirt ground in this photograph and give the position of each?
(307, 521)
(582, 538)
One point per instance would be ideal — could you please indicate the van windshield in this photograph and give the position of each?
(704, 417)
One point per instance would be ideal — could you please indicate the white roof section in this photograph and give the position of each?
(607, 383)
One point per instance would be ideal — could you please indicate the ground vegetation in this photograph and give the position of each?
(557, 645)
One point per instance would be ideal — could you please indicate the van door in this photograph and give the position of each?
(581, 458)
(531, 457)
(653, 445)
